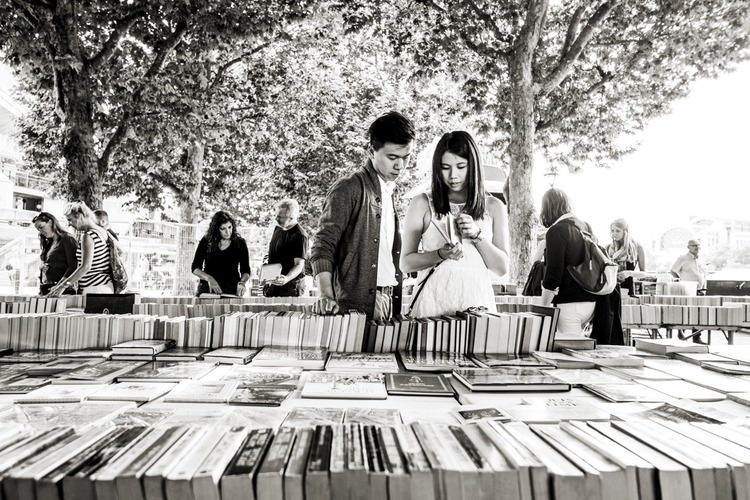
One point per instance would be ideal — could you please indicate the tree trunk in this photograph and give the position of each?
(522, 216)
(191, 197)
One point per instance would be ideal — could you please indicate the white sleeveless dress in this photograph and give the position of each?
(455, 285)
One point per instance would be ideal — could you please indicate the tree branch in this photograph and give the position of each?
(27, 14)
(226, 67)
(575, 22)
(113, 142)
(565, 65)
(122, 26)
(490, 23)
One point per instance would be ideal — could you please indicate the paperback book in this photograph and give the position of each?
(248, 376)
(418, 384)
(434, 362)
(60, 365)
(472, 413)
(142, 346)
(260, 396)
(492, 360)
(509, 379)
(372, 416)
(544, 410)
(140, 392)
(104, 372)
(344, 385)
(59, 393)
(168, 371)
(310, 416)
(306, 358)
(364, 362)
(562, 360)
(605, 356)
(669, 346)
(626, 393)
(196, 391)
(232, 355)
(182, 354)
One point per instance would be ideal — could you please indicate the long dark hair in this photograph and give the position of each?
(554, 204)
(461, 144)
(214, 236)
(46, 243)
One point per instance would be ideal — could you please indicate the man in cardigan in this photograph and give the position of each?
(355, 252)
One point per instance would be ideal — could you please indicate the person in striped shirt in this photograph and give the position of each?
(94, 273)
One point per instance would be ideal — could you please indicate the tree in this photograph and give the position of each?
(98, 62)
(573, 80)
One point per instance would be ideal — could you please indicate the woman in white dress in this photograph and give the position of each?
(463, 233)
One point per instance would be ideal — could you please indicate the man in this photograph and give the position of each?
(288, 247)
(687, 267)
(356, 251)
(102, 218)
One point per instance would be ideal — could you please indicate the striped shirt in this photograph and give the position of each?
(100, 272)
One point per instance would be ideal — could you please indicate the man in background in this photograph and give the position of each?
(288, 247)
(688, 267)
(102, 218)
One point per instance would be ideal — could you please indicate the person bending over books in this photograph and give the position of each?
(563, 247)
(463, 233)
(94, 271)
(626, 252)
(222, 261)
(58, 252)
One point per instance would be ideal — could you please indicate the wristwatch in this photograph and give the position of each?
(477, 237)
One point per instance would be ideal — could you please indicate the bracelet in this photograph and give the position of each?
(477, 237)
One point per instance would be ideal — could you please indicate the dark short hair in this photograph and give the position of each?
(554, 204)
(390, 127)
(101, 213)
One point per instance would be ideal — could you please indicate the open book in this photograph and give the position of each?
(269, 272)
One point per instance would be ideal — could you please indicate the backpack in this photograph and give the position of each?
(597, 273)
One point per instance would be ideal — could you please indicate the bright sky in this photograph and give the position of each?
(694, 161)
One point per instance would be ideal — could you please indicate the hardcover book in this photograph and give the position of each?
(365, 362)
(435, 362)
(104, 372)
(238, 355)
(237, 481)
(492, 360)
(140, 392)
(308, 416)
(60, 365)
(669, 346)
(344, 385)
(605, 356)
(418, 384)
(247, 376)
(306, 358)
(626, 393)
(509, 379)
(142, 346)
(562, 360)
(544, 410)
(59, 393)
(473, 413)
(182, 354)
(372, 416)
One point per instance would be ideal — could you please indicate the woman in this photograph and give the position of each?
(463, 233)
(626, 252)
(220, 253)
(563, 247)
(94, 272)
(58, 252)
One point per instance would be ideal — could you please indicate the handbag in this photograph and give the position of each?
(117, 267)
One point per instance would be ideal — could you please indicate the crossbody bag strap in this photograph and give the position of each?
(421, 286)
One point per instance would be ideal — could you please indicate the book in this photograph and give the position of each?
(578, 377)
(131, 391)
(269, 480)
(473, 413)
(605, 356)
(153, 481)
(308, 416)
(269, 272)
(418, 384)
(422, 484)
(394, 464)
(237, 481)
(344, 385)
(562, 360)
(59, 393)
(544, 410)
(259, 396)
(182, 354)
(727, 367)
(306, 358)
(572, 341)
(508, 379)
(669, 346)
(492, 360)
(104, 372)
(434, 362)
(638, 373)
(249, 376)
(317, 484)
(168, 371)
(366, 362)
(372, 416)
(178, 481)
(205, 480)
(682, 389)
(60, 365)
(294, 472)
(142, 346)
(198, 391)
(624, 393)
(239, 355)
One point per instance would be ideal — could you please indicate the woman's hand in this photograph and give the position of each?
(213, 285)
(280, 280)
(452, 251)
(241, 287)
(467, 226)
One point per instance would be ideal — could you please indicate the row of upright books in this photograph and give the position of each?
(34, 305)
(618, 460)
(523, 328)
(730, 315)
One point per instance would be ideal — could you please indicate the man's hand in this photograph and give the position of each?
(326, 305)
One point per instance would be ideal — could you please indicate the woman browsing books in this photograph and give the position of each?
(626, 252)
(222, 261)
(462, 230)
(58, 252)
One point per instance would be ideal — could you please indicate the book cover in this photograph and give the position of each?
(669, 346)
(418, 384)
(260, 396)
(294, 473)
(237, 481)
(543, 410)
(562, 360)
(509, 379)
(310, 416)
(239, 355)
(344, 385)
(60, 365)
(140, 392)
(372, 416)
(473, 413)
(366, 362)
(492, 360)
(248, 376)
(682, 389)
(605, 356)
(205, 481)
(626, 393)
(182, 354)
(317, 484)
(168, 371)
(434, 362)
(59, 393)
(306, 358)
(197, 391)
(142, 346)
(638, 373)
(104, 372)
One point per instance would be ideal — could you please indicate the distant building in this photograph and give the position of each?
(711, 232)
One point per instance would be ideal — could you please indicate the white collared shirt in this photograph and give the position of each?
(386, 268)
